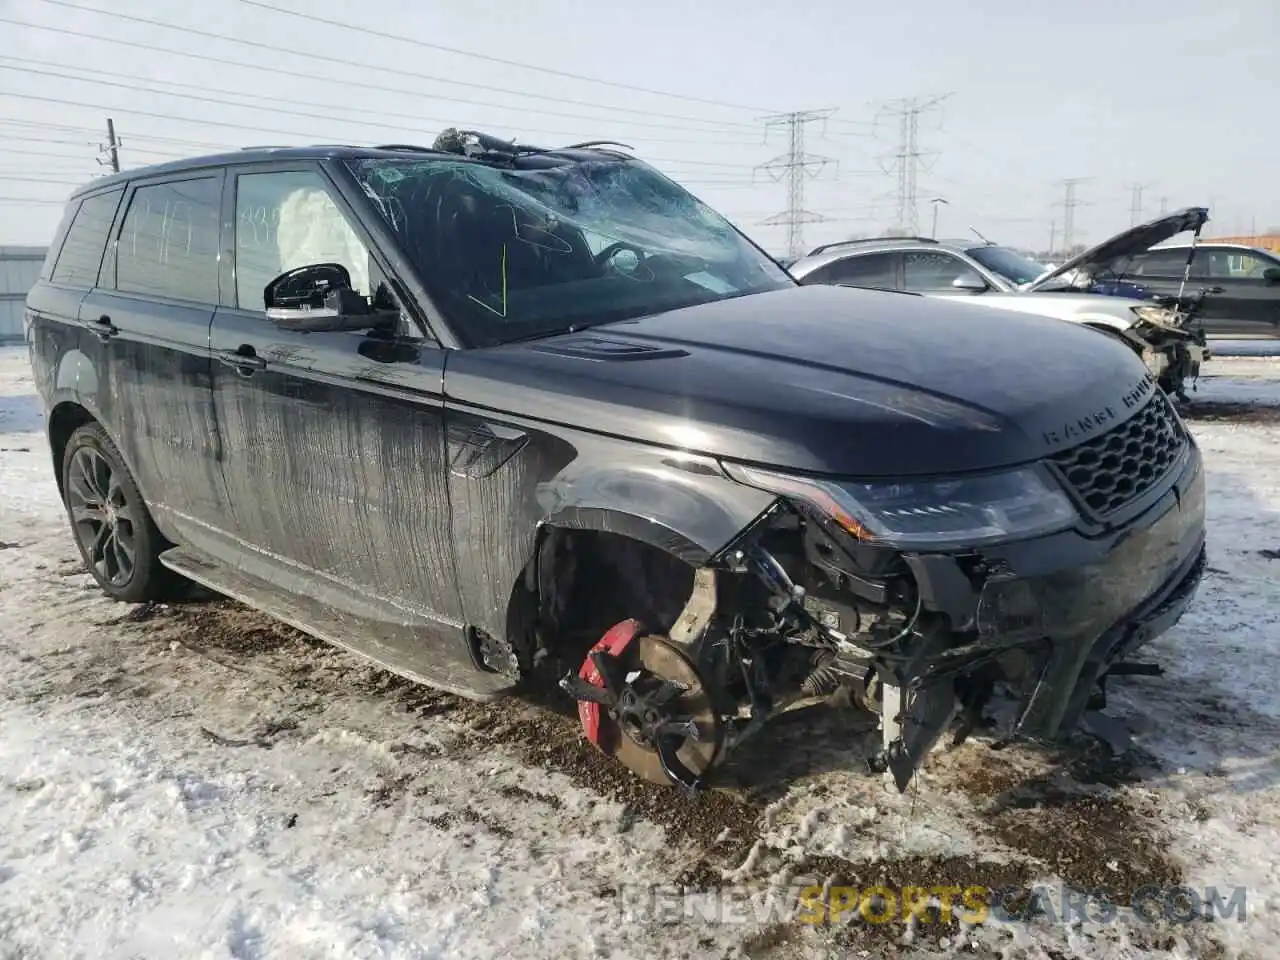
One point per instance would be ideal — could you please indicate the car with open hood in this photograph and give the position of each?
(493, 415)
(1241, 283)
(1080, 290)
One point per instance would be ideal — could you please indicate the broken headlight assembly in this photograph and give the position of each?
(929, 514)
(1156, 316)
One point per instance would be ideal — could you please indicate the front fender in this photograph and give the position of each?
(682, 504)
(1108, 320)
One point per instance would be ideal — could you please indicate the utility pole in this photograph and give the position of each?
(908, 158)
(1053, 235)
(111, 148)
(1069, 203)
(935, 201)
(1164, 206)
(796, 166)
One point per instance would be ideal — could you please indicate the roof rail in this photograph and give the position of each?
(409, 147)
(847, 243)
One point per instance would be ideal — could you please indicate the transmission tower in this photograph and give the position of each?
(795, 166)
(1069, 203)
(1135, 205)
(908, 158)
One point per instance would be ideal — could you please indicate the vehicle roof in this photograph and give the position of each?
(1218, 244)
(267, 154)
(821, 256)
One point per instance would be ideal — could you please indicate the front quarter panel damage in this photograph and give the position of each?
(570, 479)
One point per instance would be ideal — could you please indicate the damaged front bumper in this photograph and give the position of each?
(1054, 613)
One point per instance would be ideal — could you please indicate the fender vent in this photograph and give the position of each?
(608, 349)
(1116, 468)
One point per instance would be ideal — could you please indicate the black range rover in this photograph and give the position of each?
(487, 414)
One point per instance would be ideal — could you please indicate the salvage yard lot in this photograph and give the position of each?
(196, 780)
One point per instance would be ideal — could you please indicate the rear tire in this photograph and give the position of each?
(112, 526)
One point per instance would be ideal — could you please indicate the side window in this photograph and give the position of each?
(287, 219)
(930, 272)
(1158, 263)
(81, 254)
(1235, 264)
(168, 245)
(876, 270)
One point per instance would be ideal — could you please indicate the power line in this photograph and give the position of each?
(415, 117)
(797, 166)
(153, 86)
(368, 31)
(908, 159)
(276, 49)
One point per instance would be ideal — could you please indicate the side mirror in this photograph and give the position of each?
(969, 282)
(1271, 274)
(315, 298)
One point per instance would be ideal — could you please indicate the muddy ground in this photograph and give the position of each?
(1065, 822)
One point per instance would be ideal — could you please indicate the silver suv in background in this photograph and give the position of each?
(956, 269)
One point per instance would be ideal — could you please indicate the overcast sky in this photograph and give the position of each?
(1178, 95)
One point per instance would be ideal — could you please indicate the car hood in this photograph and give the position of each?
(1128, 243)
(820, 379)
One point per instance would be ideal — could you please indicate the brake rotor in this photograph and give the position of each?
(648, 661)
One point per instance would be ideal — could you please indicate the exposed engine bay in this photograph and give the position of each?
(800, 613)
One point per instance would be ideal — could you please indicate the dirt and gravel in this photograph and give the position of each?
(1065, 821)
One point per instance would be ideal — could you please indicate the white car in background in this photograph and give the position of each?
(1008, 280)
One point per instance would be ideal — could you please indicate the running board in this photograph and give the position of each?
(415, 647)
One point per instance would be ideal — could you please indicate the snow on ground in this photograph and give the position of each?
(194, 780)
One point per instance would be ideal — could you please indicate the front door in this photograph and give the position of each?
(334, 441)
(1249, 304)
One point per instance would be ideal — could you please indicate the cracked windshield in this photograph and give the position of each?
(520, 253)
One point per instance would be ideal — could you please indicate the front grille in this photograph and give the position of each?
(1116, 468)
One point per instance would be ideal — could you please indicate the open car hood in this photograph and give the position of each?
(1128, 243)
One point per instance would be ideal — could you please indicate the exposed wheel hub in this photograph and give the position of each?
(642, 701)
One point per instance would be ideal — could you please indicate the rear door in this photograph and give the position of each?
(52, 316)
(334, 454)
(148, 322)
(1161, 271)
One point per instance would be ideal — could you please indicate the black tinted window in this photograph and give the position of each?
(876, 270)
(169, 242)
(81, 254)
(930, 272)
(1158, 263)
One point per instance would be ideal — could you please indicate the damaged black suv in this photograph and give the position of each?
(487, 413)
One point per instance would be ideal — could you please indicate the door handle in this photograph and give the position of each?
(103, 328)
(244, 360)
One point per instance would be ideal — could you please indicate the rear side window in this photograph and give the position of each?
(168, 244)
(81, 254)
(876, 270)
(1158, 263)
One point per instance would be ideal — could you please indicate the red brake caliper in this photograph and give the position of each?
(614, 642)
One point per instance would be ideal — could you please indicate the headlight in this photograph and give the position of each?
(929, 514)
(1157, 315)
